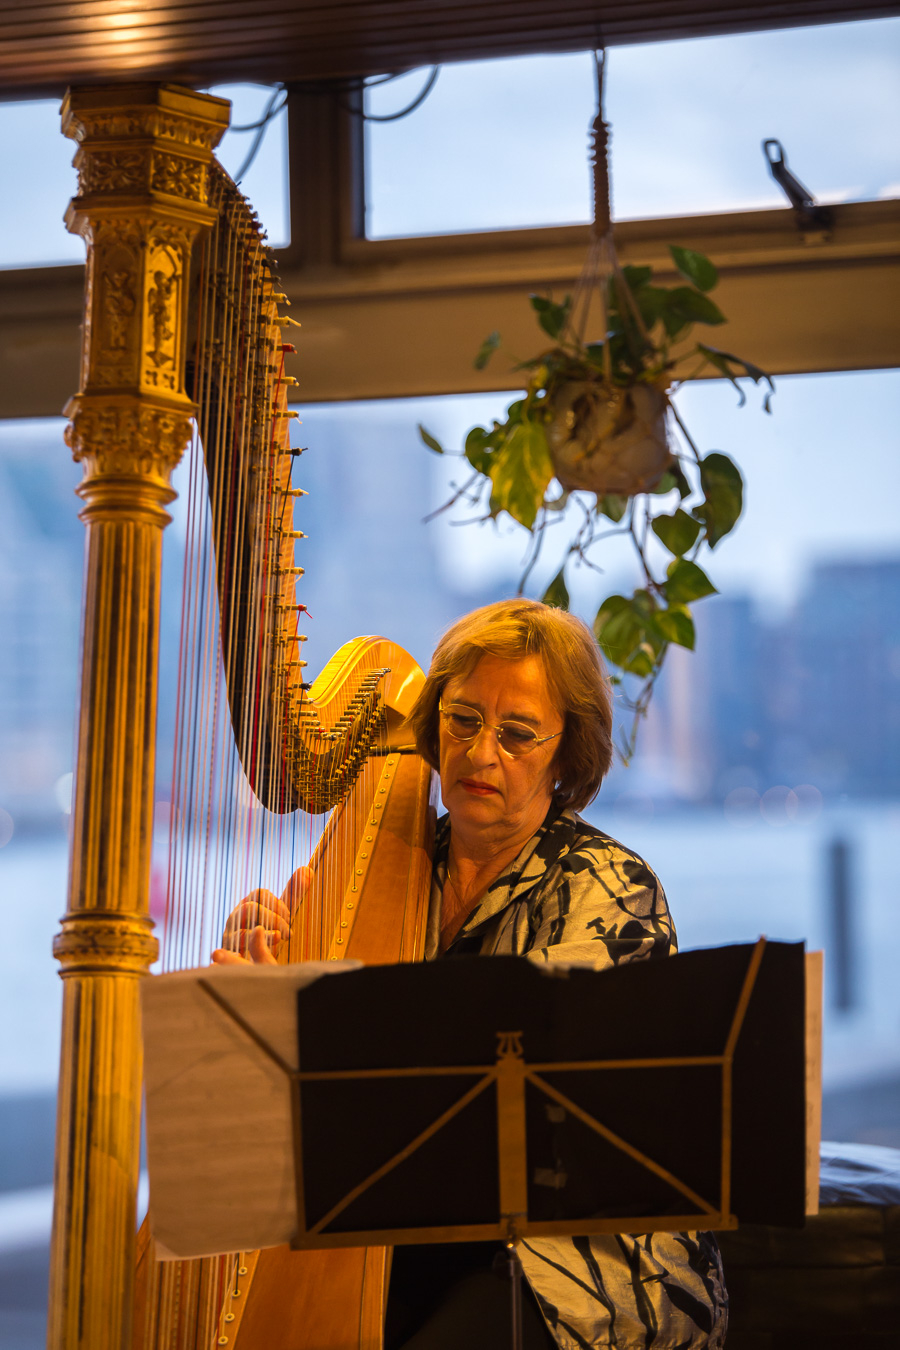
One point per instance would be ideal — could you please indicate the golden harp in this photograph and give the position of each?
(182, 323)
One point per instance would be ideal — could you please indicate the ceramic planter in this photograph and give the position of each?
(606, 439)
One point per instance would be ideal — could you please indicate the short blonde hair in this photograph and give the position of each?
(575, 673)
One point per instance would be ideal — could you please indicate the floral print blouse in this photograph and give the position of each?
(575, 895)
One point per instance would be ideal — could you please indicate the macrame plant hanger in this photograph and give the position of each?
(602, 275)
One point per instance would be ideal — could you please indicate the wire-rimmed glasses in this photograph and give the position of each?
(465, 724)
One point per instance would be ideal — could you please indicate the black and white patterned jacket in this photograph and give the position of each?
(575, 895)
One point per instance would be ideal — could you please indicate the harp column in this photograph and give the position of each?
(143, 164)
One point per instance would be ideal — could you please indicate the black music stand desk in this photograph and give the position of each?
(473, 1099)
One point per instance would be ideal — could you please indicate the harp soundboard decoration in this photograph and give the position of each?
(184, 349)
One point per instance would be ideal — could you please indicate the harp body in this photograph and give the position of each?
(182, 321)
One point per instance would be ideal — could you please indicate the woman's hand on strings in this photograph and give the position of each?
(257, 926)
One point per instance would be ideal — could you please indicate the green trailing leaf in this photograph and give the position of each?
(612, 506)
(618, 629)
(636, 276)
(642, 661)
(651, 301)
(695, 267)
(723, 488)
(681, 482)
(647, 610)
(677, 532)
(624, 325)
(520, 471)
(665, 485)
(479, 447)
(724, 361)
(686, 582)
(683, 306)
(628, 634)
(486, 350)
(430, 441)
(551, 316)
(557, 593)
(677, 625)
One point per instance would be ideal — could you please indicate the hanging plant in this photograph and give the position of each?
(597, 427)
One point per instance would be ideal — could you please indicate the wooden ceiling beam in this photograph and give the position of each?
(44, 47)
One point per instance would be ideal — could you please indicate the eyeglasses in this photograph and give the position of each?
(465, 724)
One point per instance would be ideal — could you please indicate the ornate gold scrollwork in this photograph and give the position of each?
(104, 943)
(120, 439)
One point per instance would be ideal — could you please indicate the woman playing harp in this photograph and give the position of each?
(515, 714)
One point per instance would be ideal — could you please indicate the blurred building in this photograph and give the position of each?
(41, 546)
(813, 699)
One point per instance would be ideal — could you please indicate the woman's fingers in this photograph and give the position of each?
(260, 952)
(261, 921)
(260, 907)
(296, 888)
(238, 939)
(257, 946)
(222, 957)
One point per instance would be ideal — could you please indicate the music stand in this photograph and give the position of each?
(472, 1100)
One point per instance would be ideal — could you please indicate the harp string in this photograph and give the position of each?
(224, 843)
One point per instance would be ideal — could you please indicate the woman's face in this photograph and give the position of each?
(483, 787)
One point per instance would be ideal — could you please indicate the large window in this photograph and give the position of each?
(500, 144)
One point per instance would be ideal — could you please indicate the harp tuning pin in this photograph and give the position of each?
(295, 492)
(287, 347)
(295, 534)
(296, 450)
(281, 298)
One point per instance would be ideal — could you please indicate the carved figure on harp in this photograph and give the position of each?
(515, 714)
(159, 300)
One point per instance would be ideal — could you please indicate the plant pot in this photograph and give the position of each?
(608, 439)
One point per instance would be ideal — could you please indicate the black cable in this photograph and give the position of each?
(404, 112)
(260, 127)
(267, 116)
(271, 111)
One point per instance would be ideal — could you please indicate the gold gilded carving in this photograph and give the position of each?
(179, 177)
(109, 126)
(168, 234)
(117, 439)
(149, 124)
(162, 298)
(111, 231)
(118, 308)
(107, 943)
(188, 133)
(114, 359)
(112, 171)
(130, 170)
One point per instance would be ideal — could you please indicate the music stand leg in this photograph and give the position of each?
(515, 1284)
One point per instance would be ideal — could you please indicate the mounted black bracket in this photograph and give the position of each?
(813, 221)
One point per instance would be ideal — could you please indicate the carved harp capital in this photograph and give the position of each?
(129, 449)
(144, 160)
